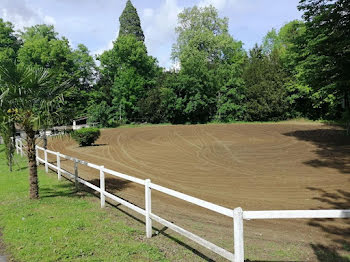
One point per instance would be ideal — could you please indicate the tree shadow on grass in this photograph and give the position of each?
(115, 184)
(21, 168)
(69, 190)
(333, 147)
(340, 234)
(62, 190)
(163, 233)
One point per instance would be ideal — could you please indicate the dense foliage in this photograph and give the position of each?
(210, 79)
(324, 55)
(9, 43)
(265, 87)
(86, 136)
(299, 70)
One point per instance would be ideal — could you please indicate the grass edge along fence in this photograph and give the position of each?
(237, 214)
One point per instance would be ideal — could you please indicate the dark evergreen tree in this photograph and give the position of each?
(265, 90)
(130, 22)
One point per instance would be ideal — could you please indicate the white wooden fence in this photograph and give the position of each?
(237, 214)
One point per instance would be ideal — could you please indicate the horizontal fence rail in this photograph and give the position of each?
(199, 202)
(237, 214)
(288, 214)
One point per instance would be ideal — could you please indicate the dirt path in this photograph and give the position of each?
(255, 166)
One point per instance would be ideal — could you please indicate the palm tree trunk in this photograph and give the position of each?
(33, 171)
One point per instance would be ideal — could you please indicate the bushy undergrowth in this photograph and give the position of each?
(86, 136)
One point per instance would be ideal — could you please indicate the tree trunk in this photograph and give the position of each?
(33, 171)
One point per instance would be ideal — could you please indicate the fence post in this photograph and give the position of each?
(16, 145)
(46, 163)
(238, 237)
(102, 187)
(21, 143)
(37, 155)
(148, 208)
(76, 173)
(58, 166)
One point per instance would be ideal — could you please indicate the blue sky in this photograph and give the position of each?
(95, 22)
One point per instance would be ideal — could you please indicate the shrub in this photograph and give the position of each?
(86, 136)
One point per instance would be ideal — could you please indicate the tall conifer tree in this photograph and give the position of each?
(130, 22)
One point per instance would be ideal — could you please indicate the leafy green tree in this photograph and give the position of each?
(30, 90)
(282, 43)
(265, 90)
(9, 43)
(43, 48)
(158, 105)
(272, 41)
(82, 78)
(130, 22)
(103, 114)
(127, 72)
(133, 71)
(324, 55)
(211, 66)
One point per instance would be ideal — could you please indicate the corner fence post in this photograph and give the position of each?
(46, 163)
(102, 187)
(76, 173)
(58, 166)
(238, 235)
(148, 208)
(37, 155)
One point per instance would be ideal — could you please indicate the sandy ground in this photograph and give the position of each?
(254, 166)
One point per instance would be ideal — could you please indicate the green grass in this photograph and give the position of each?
(63, 225)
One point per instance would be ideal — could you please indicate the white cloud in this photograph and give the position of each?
(105, 47)
(99, 51)
(219, 4)
(21, 14)
(148, 12)
(159, 25)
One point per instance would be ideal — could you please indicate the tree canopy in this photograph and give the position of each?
(9, 43)
(298, 70)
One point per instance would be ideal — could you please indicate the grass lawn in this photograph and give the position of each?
(63, 225)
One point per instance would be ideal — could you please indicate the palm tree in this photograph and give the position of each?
(31, 93)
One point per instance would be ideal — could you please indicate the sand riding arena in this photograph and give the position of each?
(284, 166)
